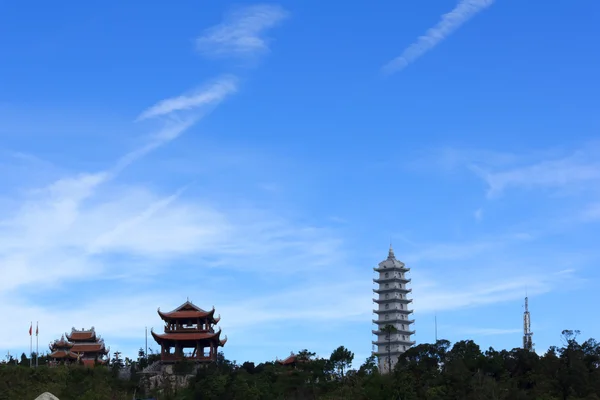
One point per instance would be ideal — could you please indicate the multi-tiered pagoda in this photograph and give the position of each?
(79, 346)
(189, 327)
(393, 315)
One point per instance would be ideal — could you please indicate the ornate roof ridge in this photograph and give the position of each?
(188, 303)
(83, 330)
(223, 341)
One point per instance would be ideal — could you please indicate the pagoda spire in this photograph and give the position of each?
(391, 255)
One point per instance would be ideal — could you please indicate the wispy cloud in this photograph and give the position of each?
(211, 95)
(242, 34)
(62, 215)
(579, 168)
(478, 214)
(562, 173)
(465, 10)
(439, 297)
(85, 225)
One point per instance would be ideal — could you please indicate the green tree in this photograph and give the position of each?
(24, 361)
(142, 360)
(341, 358)
(389, 330)
(369, 367)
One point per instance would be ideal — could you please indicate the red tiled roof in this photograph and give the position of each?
(77, 336)
(184, 336)
(290, 360)
(188, 310)
(88, 347)
(62, 354)
(187, 314)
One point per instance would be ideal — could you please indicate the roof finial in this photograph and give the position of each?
(391, 253)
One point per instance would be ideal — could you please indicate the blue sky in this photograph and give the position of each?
(260, 157)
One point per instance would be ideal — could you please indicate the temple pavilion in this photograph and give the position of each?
(188, 327)
(79, 346)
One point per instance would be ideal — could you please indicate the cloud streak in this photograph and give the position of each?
(438, 298)
(242, 34)
(211, 95)
(579, 168)
(465, 10)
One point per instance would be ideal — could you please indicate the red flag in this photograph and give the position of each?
(30, 328)
(36, 329)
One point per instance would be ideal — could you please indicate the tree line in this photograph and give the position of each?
(430, 371)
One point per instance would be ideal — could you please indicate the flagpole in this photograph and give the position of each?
(30, 344)
(37, 343)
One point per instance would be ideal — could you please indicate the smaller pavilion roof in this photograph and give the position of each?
(289, 360)
(61, 343)
(63, 354)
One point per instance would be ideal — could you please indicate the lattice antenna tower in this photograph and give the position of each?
(527, 334)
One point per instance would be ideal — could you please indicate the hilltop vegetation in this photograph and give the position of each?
(437, 371)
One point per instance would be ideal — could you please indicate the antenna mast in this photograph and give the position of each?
(527, 334)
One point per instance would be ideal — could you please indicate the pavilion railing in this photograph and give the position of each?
(198, 357)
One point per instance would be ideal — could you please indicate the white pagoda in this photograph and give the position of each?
(393, 313)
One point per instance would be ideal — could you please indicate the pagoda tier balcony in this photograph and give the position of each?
(400, 268)
(393, 311)
(392, 321)
(393, 342)
(392, 289)
(392, 279)
(398, 332)
(191, 329)
(392, 353)
(393, 300)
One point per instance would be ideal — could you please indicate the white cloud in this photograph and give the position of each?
(211, 95)
(478, 214)
(242, 33)
(65, 237)
(579, 168)
(59, 233)
(465, 10)
(440, 297)
(72, 233)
